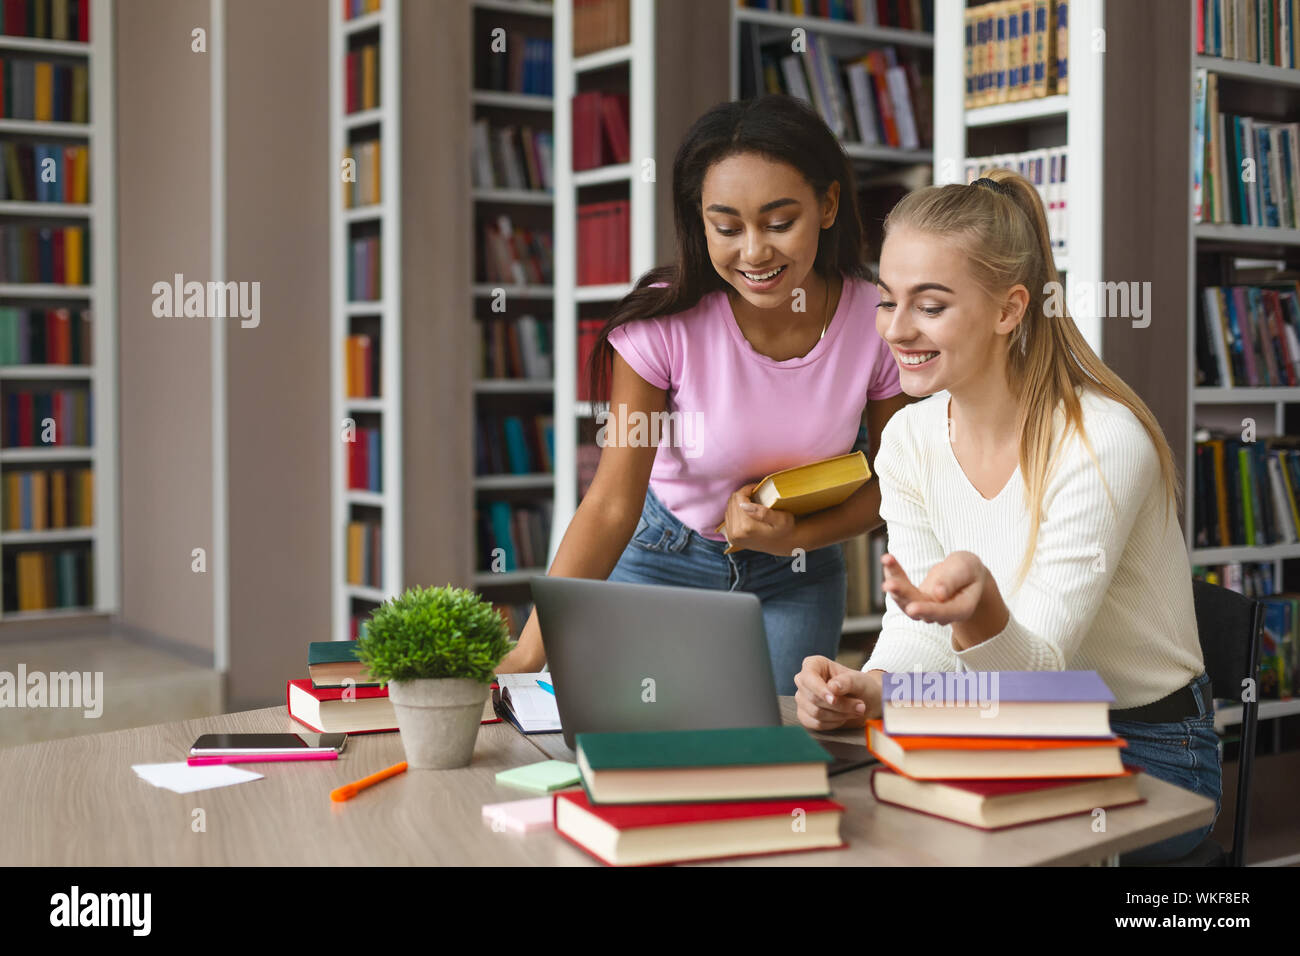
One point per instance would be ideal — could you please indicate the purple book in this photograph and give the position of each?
(996, 703)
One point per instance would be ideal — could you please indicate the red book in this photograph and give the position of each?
(83, 21)
(877, 66)
(350, 86)
(1002, 804)
(323, 709)
(25, 438)
(655, 834)
(613, 109)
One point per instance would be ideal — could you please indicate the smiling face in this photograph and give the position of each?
(763, 221)
(944, 329)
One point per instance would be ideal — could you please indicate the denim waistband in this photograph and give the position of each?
(676, 534)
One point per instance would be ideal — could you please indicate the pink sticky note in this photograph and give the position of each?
(520, 816)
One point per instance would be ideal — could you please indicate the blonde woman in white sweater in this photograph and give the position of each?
(1031, 500)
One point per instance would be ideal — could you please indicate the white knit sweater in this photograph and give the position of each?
(1109, 588)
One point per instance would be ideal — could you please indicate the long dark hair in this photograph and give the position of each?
(775, 126)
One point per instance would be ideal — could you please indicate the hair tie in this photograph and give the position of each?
(992, 184)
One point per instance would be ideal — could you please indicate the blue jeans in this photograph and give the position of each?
(803, 600)
(1184, 753)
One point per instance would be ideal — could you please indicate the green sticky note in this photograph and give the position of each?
(541, 777)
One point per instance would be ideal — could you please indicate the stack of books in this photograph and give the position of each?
(338, 696)
(658, 797)
(998, 749)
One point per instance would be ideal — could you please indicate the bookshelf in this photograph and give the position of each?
(512, 166)
(45, 356)
(763, 35)
(410, 302)
(1216, 250)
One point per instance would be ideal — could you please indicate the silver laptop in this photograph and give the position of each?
(643, 657)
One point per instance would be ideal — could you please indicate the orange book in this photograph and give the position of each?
(995, 758)
(44, 91)
(40, 501)
(58, 498)
(13, 501)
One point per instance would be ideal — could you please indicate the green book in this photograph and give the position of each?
(542, 777)
(334, 663)
(1248, 512)
(674, 766)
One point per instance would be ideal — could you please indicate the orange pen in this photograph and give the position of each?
(350, 790)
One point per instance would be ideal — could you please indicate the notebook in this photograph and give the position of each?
(523, 702)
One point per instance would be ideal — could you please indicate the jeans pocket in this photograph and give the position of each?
(649, 537)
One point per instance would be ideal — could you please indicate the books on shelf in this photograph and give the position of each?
(527, 67)
(880, 98)
(862, 570)
(1249, 335)
(514, 255)
(365, 553)
(45, 336)
(604, 242)
(901, 14)
(511, 157)
(1247, 493)
(42, 416)
(1261, 31)
(1016, 50)
(1224, 146)
(49, 578)
(44, 254)
(357, 624)
(44, 91)
(45, 172)
(46, 19)
(588, 333)
(515, 348)
(365, 275)
(365, 458)
(359, 8)
(363, 189)
(361, 367)
(1279, 654)
(1047, 169)
(512, 536)
(45, 499)
(514, 444)
(361, 77)
(601, 135)
(599, 25)
(1252, 578)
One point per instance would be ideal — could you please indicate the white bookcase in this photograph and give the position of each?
(100, 296)
(1226, 407)
(518, 18)
(387, 408)
(635, 59)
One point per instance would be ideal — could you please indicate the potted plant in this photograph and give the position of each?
(437, 649)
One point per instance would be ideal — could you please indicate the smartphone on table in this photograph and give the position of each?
(224, 745)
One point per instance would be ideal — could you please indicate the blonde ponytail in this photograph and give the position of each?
(1001, 226)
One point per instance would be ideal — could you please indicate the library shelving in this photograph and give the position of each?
(774, 50)
(1249, 261)
(512, 141)
(400, 459)
(58, 306)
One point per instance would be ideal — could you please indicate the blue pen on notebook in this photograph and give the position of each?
(546, 687)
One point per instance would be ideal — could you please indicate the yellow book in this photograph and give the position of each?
(87, 498)
(1013, 51)
(350, 188)
(375, 167)
(44, 91)
(59, 16)
(58, 498)
(355, 532)
(81, 185)
(40, 501)
(1001, 14)
(72, 255)
(1041, 46)
(80, 95)
(28, 586)
(13, 501)
(369, 76)
(813, 487)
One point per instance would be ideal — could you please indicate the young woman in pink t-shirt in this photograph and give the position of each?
(755, 351)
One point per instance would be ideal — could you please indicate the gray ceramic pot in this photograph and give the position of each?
(438, 719)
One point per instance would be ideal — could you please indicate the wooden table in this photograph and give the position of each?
(77, 802)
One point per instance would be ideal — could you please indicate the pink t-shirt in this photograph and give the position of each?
(736, 415)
